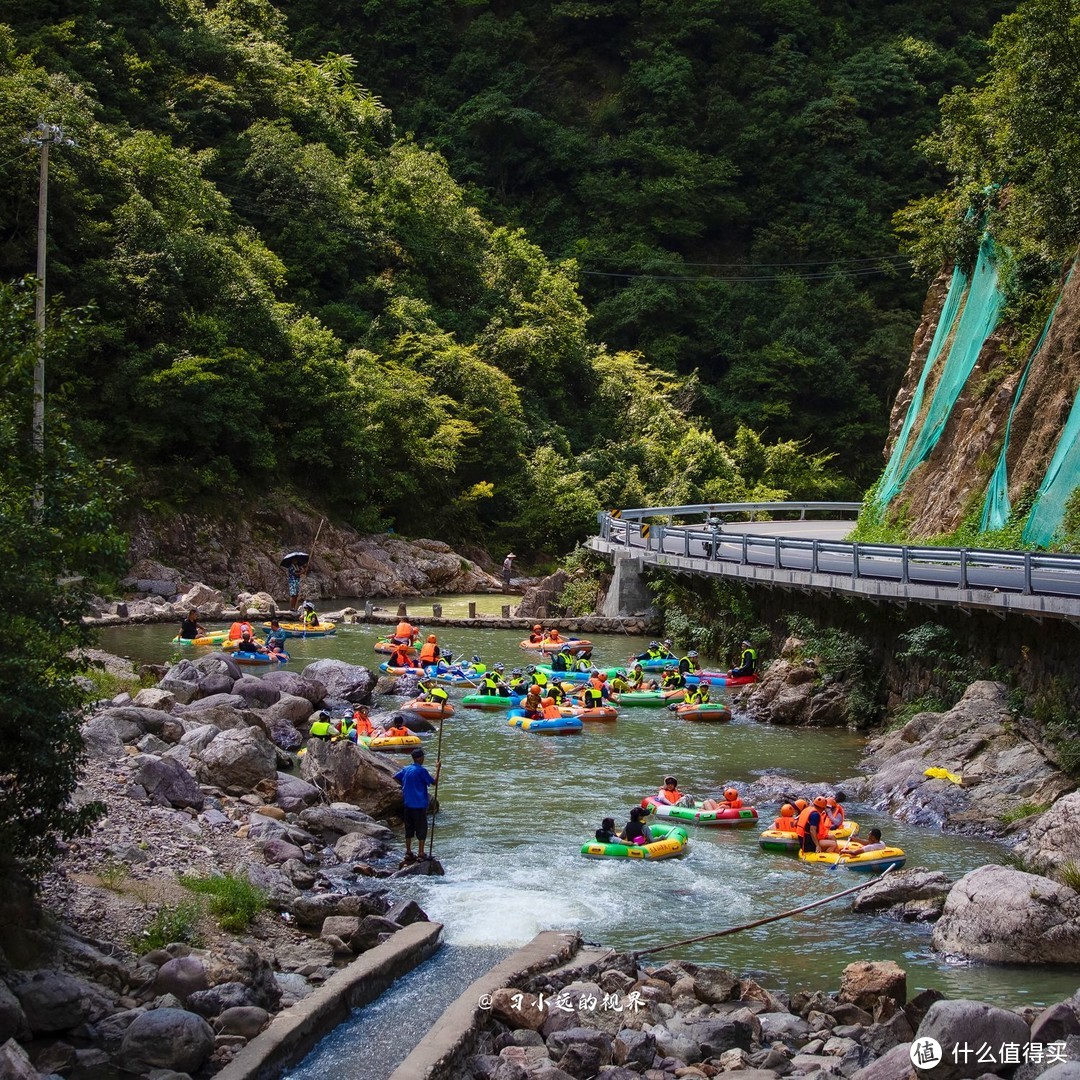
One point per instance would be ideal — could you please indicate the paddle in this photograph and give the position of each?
(435, 797)
(843, 846)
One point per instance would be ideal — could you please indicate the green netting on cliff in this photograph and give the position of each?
(997, 507)
(981, 306)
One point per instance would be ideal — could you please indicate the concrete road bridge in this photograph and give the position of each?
(803, 545)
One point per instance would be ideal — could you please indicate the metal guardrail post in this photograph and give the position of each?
(855, 561)
(814, 557)
(777, 561)
(963, 583)
(686, 543)
(905, 566)
(1027, 575)
(745, 560)
(660, 538)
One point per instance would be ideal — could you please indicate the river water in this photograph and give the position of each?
(517, 807)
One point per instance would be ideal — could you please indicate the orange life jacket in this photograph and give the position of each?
(427, 653)
(733, 804)
(400, 658)
(364, 726)
(785, 824)
(534, 637)
(552, 712)
(835, 814)
(804, 817)
(553, 635)
(397, 732)
(404, 630)
(236, 631)
(669, 796)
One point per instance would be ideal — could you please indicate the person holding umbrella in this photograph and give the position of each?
(295, 563)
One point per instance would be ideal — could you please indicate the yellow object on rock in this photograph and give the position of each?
(944, 774)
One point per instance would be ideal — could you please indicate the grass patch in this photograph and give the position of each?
(173, 922)
(1069, 874)
(1025, 810)
(925, 703)
(233, 900)
(112, 876)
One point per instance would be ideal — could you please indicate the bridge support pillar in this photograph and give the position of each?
(627, 594)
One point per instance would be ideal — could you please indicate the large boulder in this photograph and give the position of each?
(289, 707)
(208, 602)
(167, 1039)
(55, 1001)
(288, 682)
(976, 739)
(868, 982)
(914, 895)
(152, 697)
(348, 773)
(256, 692)
(182, 681)
(1054, 839)
(215, 701)
(219, 663)
(103, 739)
(340, 818)
(957, 1025)
(238, 761)
(13, 1023)
(167, 782)
(260, 603)
(1004, 916)
(294, 794)
(343, 682)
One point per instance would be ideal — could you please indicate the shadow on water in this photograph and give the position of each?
(517, 807)
(377, 1038)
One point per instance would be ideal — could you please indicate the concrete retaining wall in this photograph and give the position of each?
(292, 1033)
(443, 1052)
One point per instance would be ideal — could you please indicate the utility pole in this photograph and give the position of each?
(43, 136)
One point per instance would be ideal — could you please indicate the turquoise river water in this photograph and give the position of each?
(517, 807)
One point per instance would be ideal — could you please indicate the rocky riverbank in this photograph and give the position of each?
(619, 1020)
(121, 968)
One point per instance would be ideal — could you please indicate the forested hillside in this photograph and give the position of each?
(275, 284)
(724, 173)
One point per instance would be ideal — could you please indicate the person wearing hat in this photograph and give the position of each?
(748, 664)
(310, 617)
(415, 781)
(812, 827)
(508, 570)
(688, 665)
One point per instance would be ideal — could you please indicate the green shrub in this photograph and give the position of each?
(233, 899)
(1069, 874)
(173, 922)
(1025, 810)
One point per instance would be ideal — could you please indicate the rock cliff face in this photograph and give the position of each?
(244, 552)
(953, 480)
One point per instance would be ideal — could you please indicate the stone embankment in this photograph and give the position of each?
(618, 1020)
(200, 775)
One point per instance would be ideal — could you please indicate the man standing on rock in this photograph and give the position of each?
(508, 570)
(415, 781)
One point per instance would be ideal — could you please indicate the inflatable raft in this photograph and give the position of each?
(690, 815)
(427, 710)
(603, 713)
(868, 862)
(387, 647)
(492, 702)
(547, 646)
(563, 725)
(395, 669)
(296, 629)
(784, 840)
(669, 841)
(393, 744)
(646, 699)
(711, 712)
(573, 676)
(217, 637)
(252, 659)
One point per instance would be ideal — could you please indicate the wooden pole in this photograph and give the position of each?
(767, 919)
(311, 553)
(435, 797)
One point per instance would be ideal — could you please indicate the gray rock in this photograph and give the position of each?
(300, 874)
(909, 895)
(15, 1063)
(406, 912)
(292, 986)
(342, 681)
(103, 739)
(216, 999)
(630, 1047)
(895, 1065)
(970, 1023)
(347, 773)
(277, 851)
(13, 1023)
(999, 915)
(151, 744)
(55, 1001)
(238, 761)
(1056, 1023)
(155, 698)
(257, 693)
(216, 684)
(215, 701)
(294, 794)
(291, 708)
(288, 682)
(217, 664)
(283, 734)
(168, 782)
(1064, 1070)
(713, 985)
(274, 882)
(783, 1027)
(339, 818)
(713, 1037)
(355, 847)
(246, 1020)
(182, 977)
(167, 1038)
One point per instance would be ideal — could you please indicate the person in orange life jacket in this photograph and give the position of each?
(730, 801)
(404, 633)
(533, 705)
(834, 812)
(237, 630)
(636, 831)
(553, 635)
(362, 724)
(551, 711)
(786, 821)
(429, 653)
(397, 727)
(537, 635)
(400, 657)
(812, 827)
(670, 792)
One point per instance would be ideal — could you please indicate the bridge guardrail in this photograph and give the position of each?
(1024, 572)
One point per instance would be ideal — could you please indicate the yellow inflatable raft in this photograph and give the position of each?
(868, 861)
(391, 744)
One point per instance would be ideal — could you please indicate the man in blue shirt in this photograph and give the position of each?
(415, 780)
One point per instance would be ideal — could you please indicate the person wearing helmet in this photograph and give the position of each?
(536, 635)
(517, 683)
(669, 793)
(786, 821)
(478, 666)
(748, 663)
(310, 617)
(619, 684)
(429, 653)
(533, 706)
(731, 797)
(673, 679)
(812, 827)
(669, 648)
(555, 691)
(563, 660)
(688, 665)
(655, 651)
(834, 811)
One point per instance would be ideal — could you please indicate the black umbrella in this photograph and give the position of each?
(296, 558)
